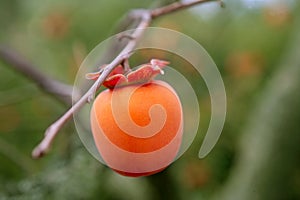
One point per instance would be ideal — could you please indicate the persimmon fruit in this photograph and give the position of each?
(137, 128)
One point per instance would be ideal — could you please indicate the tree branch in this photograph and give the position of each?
(177, 6)
(61, 91)
(145, 17)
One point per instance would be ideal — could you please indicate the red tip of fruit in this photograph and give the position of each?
(94, 75)
(143, 74)
(112, 81)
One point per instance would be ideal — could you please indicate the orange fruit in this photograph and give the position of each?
(138, 128)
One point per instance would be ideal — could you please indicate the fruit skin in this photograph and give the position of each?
(138, 152)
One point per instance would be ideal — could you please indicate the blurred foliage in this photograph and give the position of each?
(248, 44)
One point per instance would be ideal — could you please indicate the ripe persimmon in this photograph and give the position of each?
(137, 126)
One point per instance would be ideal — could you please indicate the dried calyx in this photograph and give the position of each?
(119, 77)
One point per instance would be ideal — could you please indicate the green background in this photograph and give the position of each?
(256, 47)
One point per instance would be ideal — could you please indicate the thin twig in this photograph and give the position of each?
(145, 17)
(52, 131)
(61, 91)
(176, 7)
